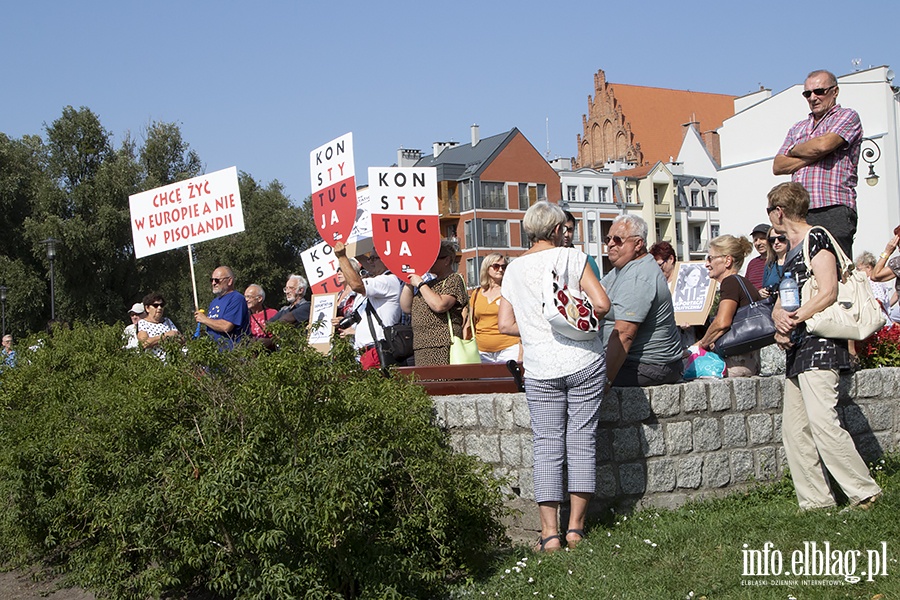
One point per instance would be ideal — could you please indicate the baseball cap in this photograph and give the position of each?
(762, 228)
(137, 308)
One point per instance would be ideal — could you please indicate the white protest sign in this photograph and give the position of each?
(321, 267)
(333, 180)
(186, 212)
(406, 228)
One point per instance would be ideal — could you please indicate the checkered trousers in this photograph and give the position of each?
(564, 415)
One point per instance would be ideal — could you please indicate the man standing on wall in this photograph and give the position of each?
(822, 153)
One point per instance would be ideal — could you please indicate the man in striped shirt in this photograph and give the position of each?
(822, 153)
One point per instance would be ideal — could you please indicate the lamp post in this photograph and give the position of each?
(3, 290)
(871, 156)
(51, 256)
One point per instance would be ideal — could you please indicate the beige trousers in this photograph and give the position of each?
(814, 441)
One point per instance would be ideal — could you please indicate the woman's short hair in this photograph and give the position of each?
(866, 259)
(636, 226)
(486, 264)
(541, 220)
(151, 298)
(449, 248)
(662, 251)
(792, 198)
(736, 247)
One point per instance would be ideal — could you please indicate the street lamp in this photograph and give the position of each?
(871, 156)
(51, 255)
(3, 290)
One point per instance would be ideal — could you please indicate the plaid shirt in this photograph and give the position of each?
(832, 179)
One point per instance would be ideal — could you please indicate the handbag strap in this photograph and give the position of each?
(746, 291)
(842, 260)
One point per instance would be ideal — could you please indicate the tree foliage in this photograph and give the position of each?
(282, 475)
(75, 187)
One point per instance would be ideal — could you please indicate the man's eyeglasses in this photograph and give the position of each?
(781, 239)
(217, 280)
(817, 91)
(157, 304)
(498, 266)
(769, 209)
(614, 240)
(567, 229)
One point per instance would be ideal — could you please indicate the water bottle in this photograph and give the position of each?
(789, 293)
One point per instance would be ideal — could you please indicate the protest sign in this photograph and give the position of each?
(334, 188)
(321, 267)
(186, 212)
(692, 293)
(322, 311)
(405, 218)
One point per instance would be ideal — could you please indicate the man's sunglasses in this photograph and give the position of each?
(217, 280)
(158, 304)
(817, 91)
(615, 240)
(778, 238)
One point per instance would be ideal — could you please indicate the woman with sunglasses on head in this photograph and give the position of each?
(724, 262)
(155, 327)
(777, 249)
(494, 347)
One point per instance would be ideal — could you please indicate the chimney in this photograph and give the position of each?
(475, 136)
(711, 140)
(439, 147)
(408, 158)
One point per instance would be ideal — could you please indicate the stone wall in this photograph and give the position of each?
(665, 445)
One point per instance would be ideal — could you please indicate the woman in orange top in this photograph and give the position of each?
(494, 347)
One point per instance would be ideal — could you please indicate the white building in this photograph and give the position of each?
(751, 138)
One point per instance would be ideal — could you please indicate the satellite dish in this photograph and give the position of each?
(889, 76)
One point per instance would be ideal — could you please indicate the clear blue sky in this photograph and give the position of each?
(260, 84)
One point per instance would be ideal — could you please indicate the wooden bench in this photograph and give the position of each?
(447, 380)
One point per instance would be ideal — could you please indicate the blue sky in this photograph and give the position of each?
(260, 84)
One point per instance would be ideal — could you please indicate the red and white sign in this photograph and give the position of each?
(334, 188)
(186, 212)
(321, 267)
(406, 229)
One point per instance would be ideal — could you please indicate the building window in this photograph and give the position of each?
(465, 196)
(712, 198)
(493, 234)
(696, 236)
(493, 195)
(629, 193)
(601, 194)
(658, 229)
(469, 231)
(451, 232)
(472, 271)
(695, 197)
(587, 193)
(572, 193)
(541, 192)
(523, 237)
(523, 196)
(591, 230)
(714, 230)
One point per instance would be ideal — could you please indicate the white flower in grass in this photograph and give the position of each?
(618, 546)
(570, 571)
(531, 580)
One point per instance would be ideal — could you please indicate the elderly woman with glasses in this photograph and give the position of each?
(436, 306)
(494, 347)
(814, 441)
(155, 327)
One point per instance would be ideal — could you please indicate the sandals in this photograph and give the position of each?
(573, 543)
(542, 543)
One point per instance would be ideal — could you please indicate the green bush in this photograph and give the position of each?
(246, 474)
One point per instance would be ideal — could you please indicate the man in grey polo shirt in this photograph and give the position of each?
(643, 345)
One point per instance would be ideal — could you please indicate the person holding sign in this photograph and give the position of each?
(564, 378)
(381, 291)
(227, 319)
(431, 302)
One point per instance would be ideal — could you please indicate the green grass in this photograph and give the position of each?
(696, 551)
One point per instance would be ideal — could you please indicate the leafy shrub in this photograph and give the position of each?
(881, 349)
(249, 475)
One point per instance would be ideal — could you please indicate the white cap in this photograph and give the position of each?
(137, 309)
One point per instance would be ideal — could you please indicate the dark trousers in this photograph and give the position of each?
(637, 374)
(840, 221)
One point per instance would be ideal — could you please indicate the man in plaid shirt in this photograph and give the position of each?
(822, 153)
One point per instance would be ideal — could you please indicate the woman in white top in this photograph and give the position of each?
(564, 378)
(153, 328)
